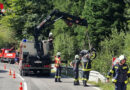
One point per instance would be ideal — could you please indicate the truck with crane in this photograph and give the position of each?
(34, 55)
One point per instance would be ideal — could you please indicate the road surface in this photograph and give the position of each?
(35, 82)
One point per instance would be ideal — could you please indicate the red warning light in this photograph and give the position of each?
(1, 6)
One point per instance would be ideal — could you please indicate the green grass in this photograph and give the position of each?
(103, 86)
(109, 86)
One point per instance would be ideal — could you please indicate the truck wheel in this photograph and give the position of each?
(35, 71)
(10, 61)
(21, 72)
(48, 74)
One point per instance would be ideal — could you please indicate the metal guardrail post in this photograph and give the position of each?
(94, 75)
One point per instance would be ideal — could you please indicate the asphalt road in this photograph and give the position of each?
(35, 82)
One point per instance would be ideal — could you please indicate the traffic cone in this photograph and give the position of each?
(14, 75)
(4, 66)
(10, 72)
(21, 87)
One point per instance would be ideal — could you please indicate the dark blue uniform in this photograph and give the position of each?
(86, 63)
(76, 63)
(121, 74)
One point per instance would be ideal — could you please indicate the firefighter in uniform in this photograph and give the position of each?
(120, 73)
(50, 39)
(75, 64)
(86, 65)
(58, 67)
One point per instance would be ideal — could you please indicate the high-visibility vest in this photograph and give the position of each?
(57, 61)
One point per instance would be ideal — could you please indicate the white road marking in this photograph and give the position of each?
(96, 88)
(25, 86)
(20, 77)
(24, 82)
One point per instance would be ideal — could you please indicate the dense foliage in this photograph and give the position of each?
(108, 26)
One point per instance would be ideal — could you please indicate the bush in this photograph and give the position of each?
(112, 46)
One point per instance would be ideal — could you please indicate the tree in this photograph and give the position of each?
(111, 46)
(126, 50)
(61, 30)
(6, 35)
(27, 15)
(102, 16)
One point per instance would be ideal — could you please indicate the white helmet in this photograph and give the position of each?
(50, 34)
(122, 57)
(76, 56)
(58, 54)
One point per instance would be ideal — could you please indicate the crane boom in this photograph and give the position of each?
(52, 18)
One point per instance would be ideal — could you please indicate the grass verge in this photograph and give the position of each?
(107, 86)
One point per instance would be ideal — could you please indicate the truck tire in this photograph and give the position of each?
(23, 73)
(11, 61)
(47, 73)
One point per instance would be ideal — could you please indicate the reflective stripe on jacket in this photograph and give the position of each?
(87, 65)
(120, 73)
(57, 61)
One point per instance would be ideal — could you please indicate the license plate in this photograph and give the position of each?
(37, 61)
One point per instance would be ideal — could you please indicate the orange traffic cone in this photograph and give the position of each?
(10, 72)
(14, 75)
(21, 87)
(4, 66)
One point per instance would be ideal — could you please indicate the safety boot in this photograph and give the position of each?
(59, 80)
(77, 82)
(84, 83)
(74, 82)
(55, 79)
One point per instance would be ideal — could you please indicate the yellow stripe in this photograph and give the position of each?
(69, 18)
(116, 67)
(114, 81)
(59, 77)
(111, 71)
(92, 55)
(86, 69)
(86, 65)
(56, 76)
(76, 79)
(126, 81)
(85, 79)
(57, 59)
(83, 65)
(125, 67)
(108, 76)
(128, 72)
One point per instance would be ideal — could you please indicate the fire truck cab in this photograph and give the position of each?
(7, 55)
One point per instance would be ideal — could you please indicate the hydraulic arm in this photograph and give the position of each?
(49, 20)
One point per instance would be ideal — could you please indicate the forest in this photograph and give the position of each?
(108, 27)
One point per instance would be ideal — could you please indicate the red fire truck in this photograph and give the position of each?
(7, 55)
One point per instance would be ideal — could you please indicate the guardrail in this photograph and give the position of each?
(94, 75)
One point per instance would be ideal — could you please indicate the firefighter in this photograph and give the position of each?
(58, 67)
(75, 64)
(86, 65)
(120, 73)
(50, 39)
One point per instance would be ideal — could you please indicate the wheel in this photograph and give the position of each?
(21, 72)
(11, 61)
(93, 53)
(47, 73)
(35, 71)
